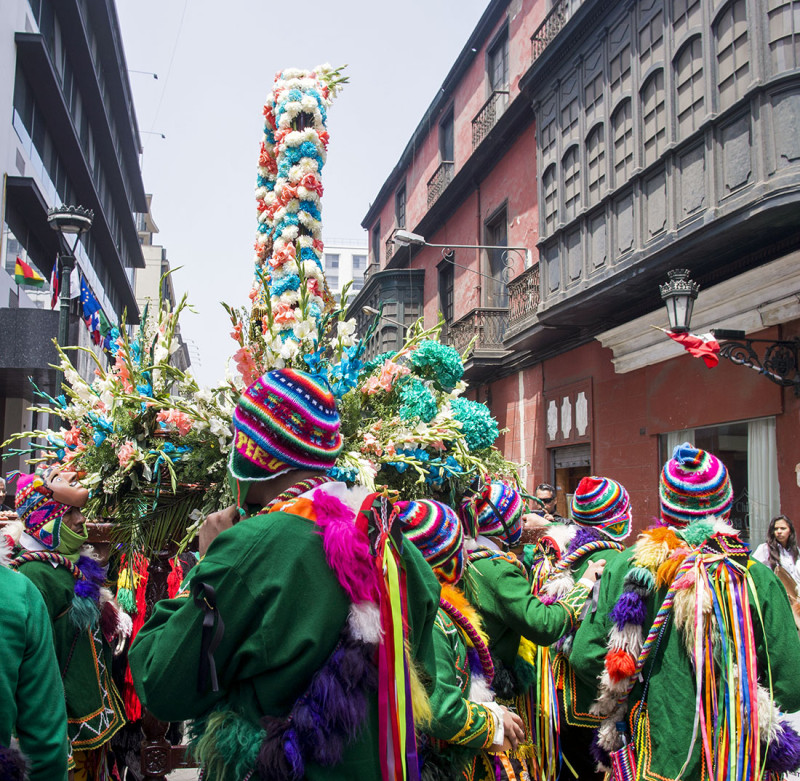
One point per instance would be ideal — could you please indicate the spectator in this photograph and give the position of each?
(546, 494)
(780, 549)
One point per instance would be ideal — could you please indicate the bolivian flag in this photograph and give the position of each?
(25, 275)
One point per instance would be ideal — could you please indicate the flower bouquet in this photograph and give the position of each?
(149, 444)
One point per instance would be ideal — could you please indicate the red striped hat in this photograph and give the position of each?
(287, 419)
(604, 504)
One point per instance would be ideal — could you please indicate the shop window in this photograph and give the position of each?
(748, 449)
(570, 465)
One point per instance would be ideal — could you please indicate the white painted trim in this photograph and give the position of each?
(757, 299)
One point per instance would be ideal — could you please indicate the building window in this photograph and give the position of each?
(550, 194)
(569, 119)
(622, 129)
(651, 43)
(783, 25)
(654, 117)
(400, 207)
(572, 183)
(748, 450)
(332, 270)
(496, 231)
(497, 63)
(548, 138)
(689, 86)
(447, 280)
(447, 139)
(685, 15)
(359, 266)
(595, 164)
(733, 53)
(593, 96)
(375, 243)
(620, 73)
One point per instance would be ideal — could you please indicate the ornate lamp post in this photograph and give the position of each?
(68, 221)
(781, 359)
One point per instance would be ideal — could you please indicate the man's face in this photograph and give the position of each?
(75, 520)
(548, 499)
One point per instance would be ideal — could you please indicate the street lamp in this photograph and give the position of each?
(781, 361)
(679, 295)
(404, 238)
(68, 221)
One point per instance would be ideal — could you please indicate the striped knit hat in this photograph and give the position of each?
(694, 484)
(604, 504)
(285, 420)
(494, 512)
(40, 514)
(436, 531)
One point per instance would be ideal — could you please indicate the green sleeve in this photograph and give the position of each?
(41, 713)
(590, 643)
(777, 644)
(456, 719)
(505, 594)
(165, 657)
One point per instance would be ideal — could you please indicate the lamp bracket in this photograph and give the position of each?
(780, 362)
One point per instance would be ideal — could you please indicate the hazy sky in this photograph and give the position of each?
(215, 63)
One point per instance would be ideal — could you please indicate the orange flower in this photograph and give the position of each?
(73, 436)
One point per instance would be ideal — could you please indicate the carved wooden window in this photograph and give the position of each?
(783, 31)
(689, 86)
(550, 193)
(595, 164)
(569, 119)
(400, 207)
(654, 117)
(685, 15)
(497, 64)
(651, 42)
(572, 183)
(620, 73)
(593, 97)
(622, 129)
(733, 53)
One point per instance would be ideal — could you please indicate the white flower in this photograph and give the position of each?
(305, 329)
(204, 396)
(346, 328)
(289, 349)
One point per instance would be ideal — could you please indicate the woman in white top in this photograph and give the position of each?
(780, 548)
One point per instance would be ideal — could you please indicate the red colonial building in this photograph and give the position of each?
(605, 144)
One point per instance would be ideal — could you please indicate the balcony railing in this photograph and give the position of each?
(488, 324)
(523, 296)
(389, 251)
(371, 269)
(487, 117)
(552, 25)
(440, 179)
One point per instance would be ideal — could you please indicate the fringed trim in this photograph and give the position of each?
(479, 553)
(471, 629)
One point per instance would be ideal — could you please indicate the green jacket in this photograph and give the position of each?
(30, 683)
(668, 717)
(94, 707)
(283, 610)
(502, 595)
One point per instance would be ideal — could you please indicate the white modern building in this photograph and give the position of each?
(345, 260)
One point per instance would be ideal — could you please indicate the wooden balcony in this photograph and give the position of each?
(487, 117)
(442, 176)
(523, 298)
(489, 325)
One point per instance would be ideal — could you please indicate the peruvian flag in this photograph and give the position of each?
(703, 346)
(54, 286)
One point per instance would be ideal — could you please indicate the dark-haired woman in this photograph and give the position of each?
(780, 549)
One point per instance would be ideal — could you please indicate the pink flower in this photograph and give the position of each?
(371, 443)
(126, 453)
(176, 418)
(73, 436)
(390, 373)
(237, 332)
(246, 365)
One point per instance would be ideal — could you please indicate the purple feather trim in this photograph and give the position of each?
(92, 569)
(346, 548)
(474, 660)
(783, 753)
(600, 756)
(583, 536)
(630, 609)
(548, 599)
(271, 763)
(87, 589)
(293, 755)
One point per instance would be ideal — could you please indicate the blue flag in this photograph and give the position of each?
(89, 303)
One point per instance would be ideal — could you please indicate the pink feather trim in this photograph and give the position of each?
(346, 548)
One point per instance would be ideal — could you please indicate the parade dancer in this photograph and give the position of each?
(466, 720)
(496, 583)
(692, 643)
(86, 622)
(285, 647)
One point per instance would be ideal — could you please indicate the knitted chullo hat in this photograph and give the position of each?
(494, 512)
(603, 504)
(694, 484)
(285, 420)
(436, 531)
(40, 514)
